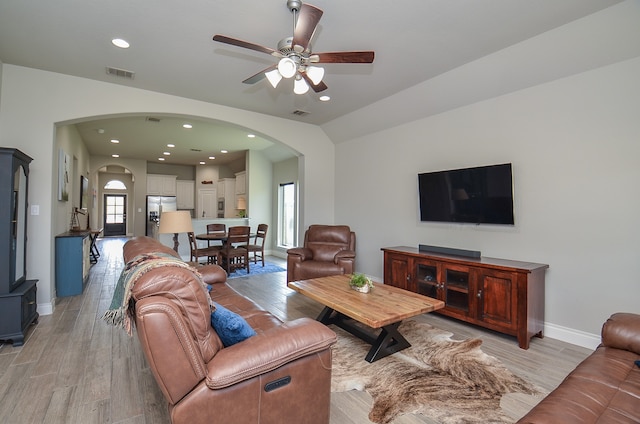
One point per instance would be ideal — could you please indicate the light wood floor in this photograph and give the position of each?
(74, 368)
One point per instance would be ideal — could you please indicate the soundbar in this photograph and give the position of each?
(475, 254)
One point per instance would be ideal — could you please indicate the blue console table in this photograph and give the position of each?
(73, 250)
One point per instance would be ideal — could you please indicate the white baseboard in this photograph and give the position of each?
(277, 253)
(45, 308)
(570, 335)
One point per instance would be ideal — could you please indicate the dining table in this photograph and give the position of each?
(222, 236)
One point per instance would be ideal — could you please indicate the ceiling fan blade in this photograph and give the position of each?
(305, 27)
(317, 88)
(246, 45)
(343, 57)
(259, 76)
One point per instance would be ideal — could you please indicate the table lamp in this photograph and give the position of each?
(175, 222)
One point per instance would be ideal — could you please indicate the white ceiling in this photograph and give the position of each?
(172, 50)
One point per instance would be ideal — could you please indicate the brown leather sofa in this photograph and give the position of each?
(327, 250)
(605, 387)
(282, 374)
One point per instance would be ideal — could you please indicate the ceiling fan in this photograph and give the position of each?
(296, 58)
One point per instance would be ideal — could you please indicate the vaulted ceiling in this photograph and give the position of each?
(171, 48)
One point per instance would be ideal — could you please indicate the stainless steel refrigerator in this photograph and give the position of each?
(155, 206)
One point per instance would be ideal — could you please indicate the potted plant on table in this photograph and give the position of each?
(361, 283)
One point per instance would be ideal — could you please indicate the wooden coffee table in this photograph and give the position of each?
(383, 308)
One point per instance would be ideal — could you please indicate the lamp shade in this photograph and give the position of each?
(300, 86)
(287, 67)
(175, 222)
(315, 74)
(274, 77)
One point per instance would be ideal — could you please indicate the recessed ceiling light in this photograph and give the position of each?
(224, 151)
(251, 135)
(160, 158)
(114, 141)
(115, 156)
(212, 157)
(324, 98)
(166, 153)
(187, 126)
(119, 42)
(171, 145)
(201, 162)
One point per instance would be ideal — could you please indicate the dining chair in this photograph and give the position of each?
(211, 253)
(216, 228)
(257, 247)
(234, 253)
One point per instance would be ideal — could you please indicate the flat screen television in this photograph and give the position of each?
(479, 195)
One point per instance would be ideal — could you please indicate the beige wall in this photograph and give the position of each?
(68, 139)
(573, 143)
(33, 102)
(283, 172)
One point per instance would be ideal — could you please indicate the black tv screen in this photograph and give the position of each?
(480, 195)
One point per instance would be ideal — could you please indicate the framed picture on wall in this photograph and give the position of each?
(64, 169)
(84, 192)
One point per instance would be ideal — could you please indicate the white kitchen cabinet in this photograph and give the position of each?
(227, 191)
(185, 194)
(161, 185)
(241, 182)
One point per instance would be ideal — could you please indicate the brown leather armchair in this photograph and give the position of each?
(327, 250)
(280, 375)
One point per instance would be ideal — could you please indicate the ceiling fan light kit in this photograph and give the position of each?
(316, 74)
(287, 67)
(274, 77)
(300, 86)
(295, 53)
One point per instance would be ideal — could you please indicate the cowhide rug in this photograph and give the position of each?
(448, 381)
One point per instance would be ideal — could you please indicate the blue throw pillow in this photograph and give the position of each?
(231, 327)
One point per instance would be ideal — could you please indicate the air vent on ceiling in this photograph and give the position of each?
(152, 119)
(195, 150)
(120, 73)
(299, 112)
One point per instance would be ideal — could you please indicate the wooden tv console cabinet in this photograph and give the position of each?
(498, 294)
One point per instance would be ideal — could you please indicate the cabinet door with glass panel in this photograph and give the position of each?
(19, 230)
(14, 172)
(447, 282)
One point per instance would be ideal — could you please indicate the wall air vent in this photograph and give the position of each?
(300, 112)
(120, 73)
(152, 119)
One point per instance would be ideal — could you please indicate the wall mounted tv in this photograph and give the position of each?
(480, 195)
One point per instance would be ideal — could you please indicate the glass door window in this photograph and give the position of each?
(457, 286)
(287, 222)
(427, 279)
(115, 216)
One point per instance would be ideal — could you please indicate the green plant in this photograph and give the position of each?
(360, 280)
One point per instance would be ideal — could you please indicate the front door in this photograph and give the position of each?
(115, 215)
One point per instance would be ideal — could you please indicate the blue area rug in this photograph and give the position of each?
(256, 269)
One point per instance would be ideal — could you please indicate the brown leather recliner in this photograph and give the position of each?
(282, 374)
(327, 250)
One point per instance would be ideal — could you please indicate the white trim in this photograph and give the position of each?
(570, 335)
(45, 308)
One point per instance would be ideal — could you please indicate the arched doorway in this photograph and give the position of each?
(115, 209)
